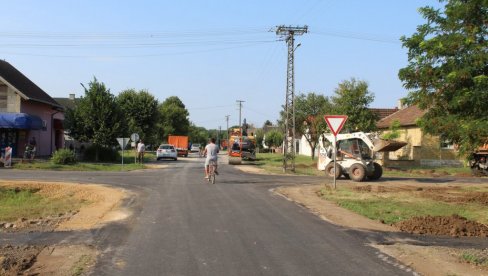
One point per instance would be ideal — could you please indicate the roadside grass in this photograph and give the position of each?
(304, 165)
(475, 256)
(129, 164)
(27, 203)
(392, 207)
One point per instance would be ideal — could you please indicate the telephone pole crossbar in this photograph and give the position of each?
(288, 33)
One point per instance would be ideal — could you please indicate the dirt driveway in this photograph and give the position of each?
(103, 207)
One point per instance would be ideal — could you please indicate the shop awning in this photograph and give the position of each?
(20, 121)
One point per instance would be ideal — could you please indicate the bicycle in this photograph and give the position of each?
(211, 171)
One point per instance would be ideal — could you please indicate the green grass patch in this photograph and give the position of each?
(27, 203)
(35, 165)
(476, 257)
(397, 206)
(273, 162)
(304, 165)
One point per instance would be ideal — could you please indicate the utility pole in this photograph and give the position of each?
(288, 33)
(227, 119)
(240, 111)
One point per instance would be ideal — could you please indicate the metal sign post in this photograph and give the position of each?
(335, 123)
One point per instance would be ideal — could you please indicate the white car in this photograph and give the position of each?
(195, 148)
(166, 151)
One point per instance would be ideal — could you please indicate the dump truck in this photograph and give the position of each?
(241, 147)
(355, 153)
(180, 143)
(479, 161)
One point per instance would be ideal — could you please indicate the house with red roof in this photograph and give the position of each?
(27, 112)
(422, 149)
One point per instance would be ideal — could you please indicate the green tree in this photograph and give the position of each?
(447, 72)
(173, 118)
(352, 98)
(309, 117)
(274, 139)
(259, 138)
(96, 118)
(198, 135)
(140, 112)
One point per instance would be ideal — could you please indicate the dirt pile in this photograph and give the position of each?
(16, 259)
(42, 224)
(455, 226)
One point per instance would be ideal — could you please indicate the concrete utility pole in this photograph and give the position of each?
(227, 119)
(288, 34)
(240, 111)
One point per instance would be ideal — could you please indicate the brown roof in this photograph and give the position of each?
(383, 112)
(407, 117)
(28, 88)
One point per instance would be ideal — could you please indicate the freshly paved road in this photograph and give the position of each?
(181, 225)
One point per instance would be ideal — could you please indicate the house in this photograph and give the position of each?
(27, 111)
(422, 149)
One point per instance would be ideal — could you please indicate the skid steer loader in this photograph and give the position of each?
(355, 155)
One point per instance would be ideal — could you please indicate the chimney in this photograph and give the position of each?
(72, 97)
(400, 104)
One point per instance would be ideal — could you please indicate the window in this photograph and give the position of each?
(446, 144)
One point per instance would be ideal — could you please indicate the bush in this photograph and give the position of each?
(104, 154)
(64, 157)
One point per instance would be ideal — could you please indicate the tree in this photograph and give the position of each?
(140, 112)
(174, 118)
(259, 138)
(96, 118)
(447, 72)
(198, 135)
(352, 98)
(274, 139)
(309, 117)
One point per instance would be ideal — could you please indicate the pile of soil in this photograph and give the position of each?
(455, 226)
(16, 259)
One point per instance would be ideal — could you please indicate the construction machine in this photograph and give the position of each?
(479, 161)
(355, 155)
(241, 147)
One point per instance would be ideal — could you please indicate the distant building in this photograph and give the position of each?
(422, 149)
(27, 111)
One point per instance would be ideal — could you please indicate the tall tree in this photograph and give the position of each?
(273, 139)
(198, 135)
(140, 110)
(352, 98)
(174, 117)
(96, 118)
(448, 71)
(309, 117)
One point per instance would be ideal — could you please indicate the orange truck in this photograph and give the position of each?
(180, 143)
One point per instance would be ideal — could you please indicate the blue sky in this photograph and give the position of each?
(210, 53)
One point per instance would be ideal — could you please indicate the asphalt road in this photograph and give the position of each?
(182, 225)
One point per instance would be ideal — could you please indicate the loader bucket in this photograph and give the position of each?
(387, 145)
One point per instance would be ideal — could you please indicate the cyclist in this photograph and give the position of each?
(211, 151)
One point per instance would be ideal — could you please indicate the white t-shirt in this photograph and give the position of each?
(212, 151)
(140, 147)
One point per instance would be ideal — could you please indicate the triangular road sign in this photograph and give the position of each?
(335, 122)
(123, 142)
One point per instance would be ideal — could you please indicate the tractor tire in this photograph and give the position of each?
(377, 173)
(235, 160)
(357, 172)
(329, 170)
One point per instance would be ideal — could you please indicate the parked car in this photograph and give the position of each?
(166, 151)
(195, 148)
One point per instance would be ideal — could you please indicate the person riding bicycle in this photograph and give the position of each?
(211, 151)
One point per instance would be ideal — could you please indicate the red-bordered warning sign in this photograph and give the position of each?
(335, 122)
